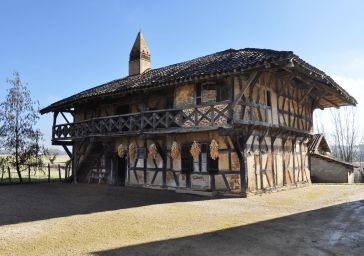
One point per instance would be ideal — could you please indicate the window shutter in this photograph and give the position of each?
(212, 165)
(186, 158)
(198, 94)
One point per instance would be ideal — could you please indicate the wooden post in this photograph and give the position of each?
(9, 174)
(59, 173)
(29, 174)
(212, 182)
(284, 140)
(260, 138)
(2, 174)
(240, 151)
(65, 172)
(293, 152)
(273, 138)
(49, 172)
(145, 162)
(163, 153)
(164, 165)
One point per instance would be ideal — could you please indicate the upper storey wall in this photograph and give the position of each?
(272, 100)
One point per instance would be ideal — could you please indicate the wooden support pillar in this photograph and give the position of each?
(294, 158)
(284, 141)
(74, 163)
(239, 143)
(260, 139)
(212, 182)
(145, 162)
(67, 151)
(49, 173)
(302, 162)
(163, 153)
(55, 114)
(28, 174)
(272, 151)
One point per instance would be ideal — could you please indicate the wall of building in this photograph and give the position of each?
(270, 162)
(282, 165)
(266, 169)
(174, 176)
(331, 172)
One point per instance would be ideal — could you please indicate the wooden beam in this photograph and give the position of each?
(331, 102)
(241, 156)
(163, 154)
(305, 95)
(67, 151)
(65, 118)
(251, 82)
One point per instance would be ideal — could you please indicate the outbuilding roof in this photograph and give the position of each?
(318, 144)
(228, 61)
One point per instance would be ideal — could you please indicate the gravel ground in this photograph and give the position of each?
(68, 219)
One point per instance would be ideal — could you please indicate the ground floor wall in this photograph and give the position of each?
(266, 163)
(332, 172)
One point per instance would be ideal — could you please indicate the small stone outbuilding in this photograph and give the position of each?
(328, 169)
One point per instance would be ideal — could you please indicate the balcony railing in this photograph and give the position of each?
(208, 116)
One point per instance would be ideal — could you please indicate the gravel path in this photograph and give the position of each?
(67, 219)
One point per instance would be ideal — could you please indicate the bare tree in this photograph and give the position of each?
(52, 157)
(319, 127)
(20, 115)
(345, 134)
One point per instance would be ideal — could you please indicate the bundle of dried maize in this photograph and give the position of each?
(121, 151)
(175, 150)
(132, 151)
(153, 151)
(195, 150)
(214, 149)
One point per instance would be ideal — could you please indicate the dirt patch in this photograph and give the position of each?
(67, 219)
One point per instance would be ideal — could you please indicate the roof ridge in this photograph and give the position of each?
(218, 62)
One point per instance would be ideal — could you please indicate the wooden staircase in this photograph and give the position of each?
(97, 175)
(91, 159)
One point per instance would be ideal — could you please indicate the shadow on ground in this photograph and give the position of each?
(335, 230)
(23, 203)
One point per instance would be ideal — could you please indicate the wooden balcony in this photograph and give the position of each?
(197, 118)
(204, 117)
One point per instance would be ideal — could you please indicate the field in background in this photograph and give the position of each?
(30, 174)
(60, 159)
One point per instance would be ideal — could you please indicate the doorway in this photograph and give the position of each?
(121, 171)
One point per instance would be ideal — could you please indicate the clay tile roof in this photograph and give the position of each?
(230, 60)
(318, 144)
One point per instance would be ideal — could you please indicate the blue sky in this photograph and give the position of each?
(63, 47)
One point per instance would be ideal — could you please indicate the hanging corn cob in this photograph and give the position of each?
(195, 150)
(153, 151)
(175, 150)
(214, 150)
(121, 151)
(132, 151)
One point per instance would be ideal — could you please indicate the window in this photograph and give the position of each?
(204, 163)
(198, 94)
(209, 93)
(200, 163)
(269, 99)
(186, 158)
(213, 91)
(121, 110)
(141, 153)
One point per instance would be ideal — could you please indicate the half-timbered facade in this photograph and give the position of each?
(235, 121)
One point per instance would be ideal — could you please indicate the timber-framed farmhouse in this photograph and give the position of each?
(236, 121)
